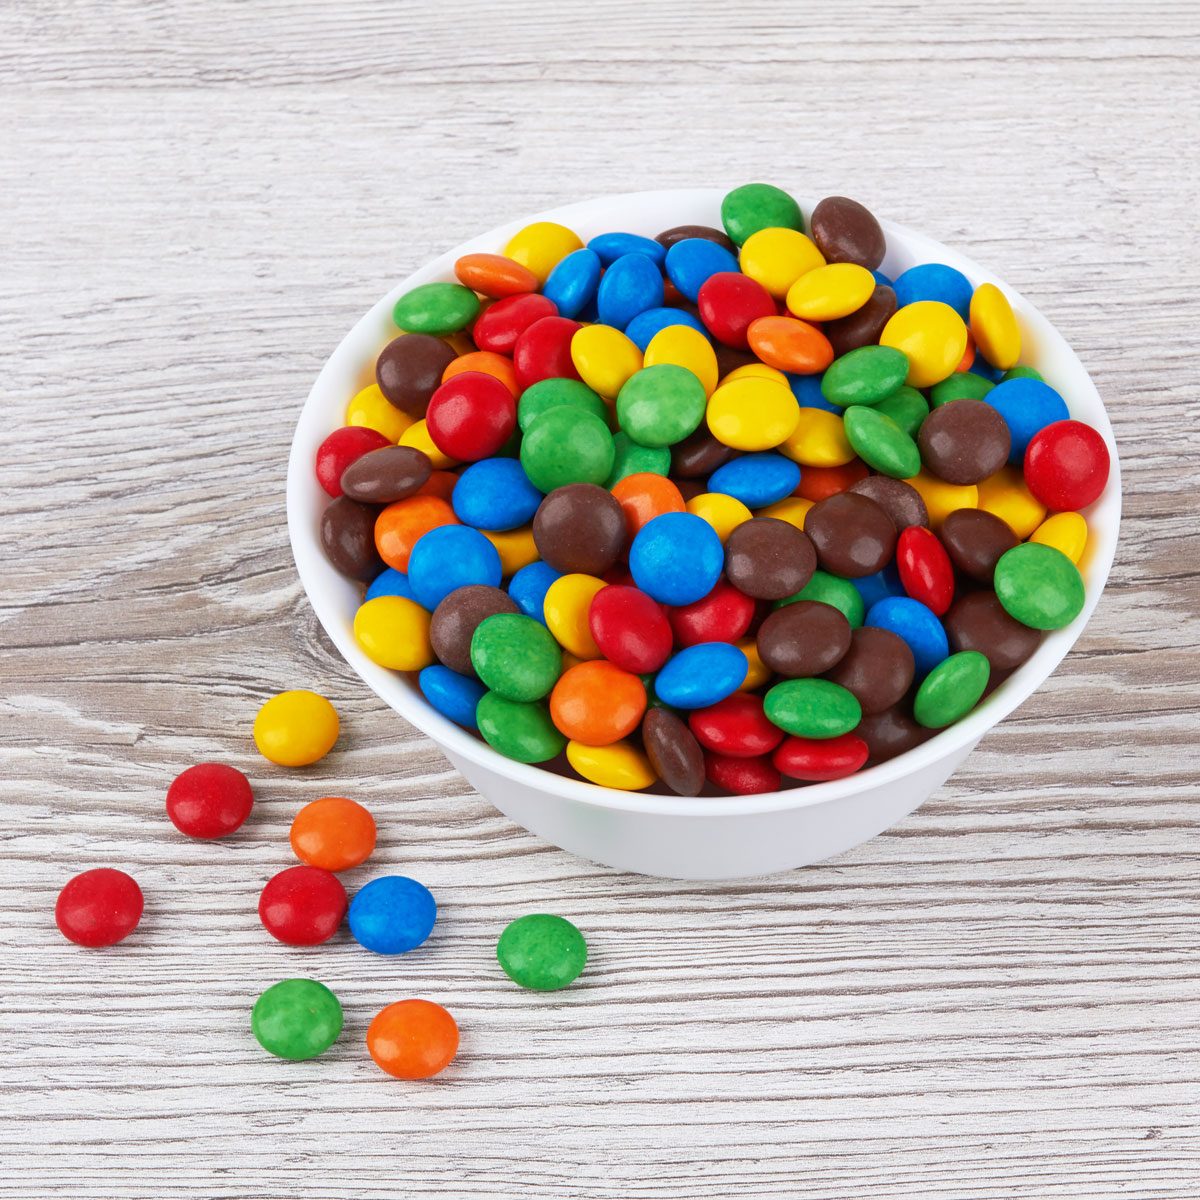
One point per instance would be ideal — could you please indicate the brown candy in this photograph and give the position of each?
(769, 559)
(580, 528)
(845, 231)
(679, 233)
(348, 538)
(901, 501)
(458, 616)
(698, 454)
(978, 621)
(852, 535)
(387, 474)
(877, 669)
(804, 639)
(409, 370)
(975, 540)
(964, 441)
(673, 751)
(862, 328)
(729, 358)
(891, 733)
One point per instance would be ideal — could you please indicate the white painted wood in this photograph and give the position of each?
(996, 999)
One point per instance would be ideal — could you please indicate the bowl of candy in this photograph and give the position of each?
(705, 532)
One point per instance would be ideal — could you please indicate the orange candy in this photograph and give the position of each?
(968, 359)
(413, 1039)
(597, 703)
(789, 344)
(333, 833)
(489, 363)
(645, 496)
(399, 526)
(440, 484)
(819, 483)
(495, 275)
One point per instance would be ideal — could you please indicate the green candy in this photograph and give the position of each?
(437, 308)
(836, 592)
(951, 689)
(1022, 373)
(553, 393)
(567, 445)
(960, 386)
(864, 376)
(516, 656)
(812, 708)
(755, 206)
(632, 459)
(296, 1019)
(520, 731)
(907, 407)
(661, 405)
(1039, 586)
(542, 952)
(881, 443)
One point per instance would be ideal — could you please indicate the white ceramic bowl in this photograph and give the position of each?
(703, 838)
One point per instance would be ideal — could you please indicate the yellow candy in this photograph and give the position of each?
(371, 409)
(757, 371)
(618, 765)
(994, 327)
(294, 729)
(757, 672)
(752, 414)
(777, 257)
(393, 631)
(566, 611)
(826, 293)
(1006, 496)
(417, 436)
(542, 246)
(819, 440)
(723, 513)
(605, 358)
(791, 509)
(942, 498)
(1066, 532)
(933, 337)
(515, 546)
(684, 347)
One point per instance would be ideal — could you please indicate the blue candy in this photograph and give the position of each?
(881, 585)
(495, 493)
(676, 558)
(935, 281)
(690, 262)
(528, 587)
(572, 284)
(985, 370)
(807, 390)
(453, 695)
(390, 583)
(645, 325)
(611, 246)
(392, 915)
(701, 675)
(630, 286)
(756, 479)
(916, 625)
(1026, 405)
(450, 557)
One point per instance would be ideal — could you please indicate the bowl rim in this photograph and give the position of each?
(321, 582)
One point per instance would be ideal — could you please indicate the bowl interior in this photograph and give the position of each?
(351, 367)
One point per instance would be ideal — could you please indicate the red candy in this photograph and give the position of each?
(630, 629)
(723, 615)
(499, 327)
(816, 760)
(730, 303)
(819, 483)
(543, 351)
(99, 908)
(302, 906)
(1066, 465)
(341, 448)
(472, 415)
(742, 776)
(209, 800)
(735, 726)
(925, 568)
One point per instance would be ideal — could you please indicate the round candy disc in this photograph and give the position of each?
(296, 1019)
(542, 952)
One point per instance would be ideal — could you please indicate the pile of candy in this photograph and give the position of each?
(711, 509)
(305, 905)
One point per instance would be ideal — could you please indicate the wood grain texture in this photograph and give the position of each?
(996, 999)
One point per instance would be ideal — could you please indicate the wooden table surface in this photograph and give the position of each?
(997, 998)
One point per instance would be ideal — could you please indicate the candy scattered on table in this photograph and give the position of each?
(295, 729)
(209, 800)
(392, 915)
(302, 906)
(413, 1039)
(99, 907)
(542, 952)
(296, 1019)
